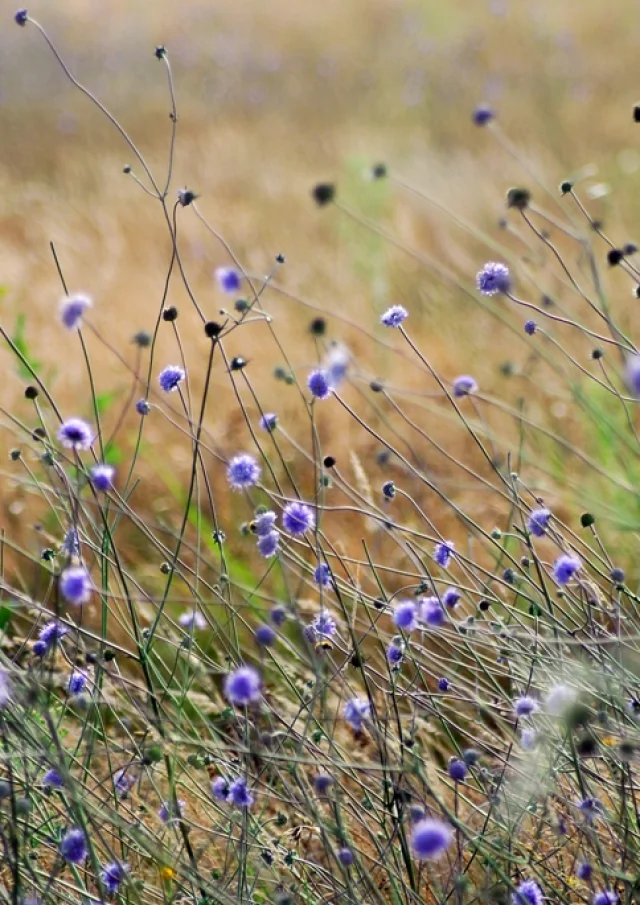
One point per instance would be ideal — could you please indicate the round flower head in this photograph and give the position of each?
(269, 422)
(170, 377)
(6, 688)
(345, 856)
(73, 846)
(482, 115)
(75, 434)
(322, 574)
(590, 808)
(539, 522)
(72, 308)
(242, 686)
(560, 698)
(264, 523)
(112, 876)
(21, 17)
(493, 279)
(395, 653)
(102, 477)
(75, 585)
(530, 327)
(268, 544)
(394, 316)
(451, 597)
(335, 364)
(71, 543)
(77, 682)
(388, 490)
(229, 279)
(404, 615)
(278, 615)
(220, 788)
(53, 779)
(265, 635)
(298, 518)
(319, 384)
(464, 386)
(324, 625)
(243, 471)
(528, 739)
(457, 769)
(192, 619)
(142, 407)
(51, 633)
(632, 375)
(443, 684)
(528, 893)
(432, 612)
(239, 795)
(442, 553)
(170, 812)
(430, 838)
(565, 567)
(606, 897)
(322, 783)
(356, 711)
(584, 871)
(525, 706)
(123, 780)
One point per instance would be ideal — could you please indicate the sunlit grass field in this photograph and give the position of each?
(375, 99)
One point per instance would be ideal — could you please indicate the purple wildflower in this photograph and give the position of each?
(525, 706)
(451, 597)
(430, 838)
(591, 808)
(565, 567)
(457, 769)
(464, 386)
(243, 686)
(632, 374)
(71, 543)
(77, 682)
(21, 17)
(170, 812)
(432, 612)
(528, 739)
(243, 471)
(539, 522)
(264, 523)
(394, 316)
(220, 788)
(72, 308)
(356, 711)
(112, 876)
(123, 780)
(142, 407)
(528, 893)
(443, 684)
(404, 615)
(318, 383)
(493, 279)
(584, 871)
(606, 897)
(75, 434)
(51, 633)
(322, 574)
(345, 856)
(388, 490)
(239, 795)
(102, 477)
(278, 615)
(265, 635)
(269, 422)
(229, 279)
(395, 653)
(53, 779)
(324, 625)
(192, 619)
(76, 585)
(268, 544)
(298, 518)
(6, 688)
(530, 327)
(322, 783)
(170, 378)
(443, 552)
(73, 846)
(482, 115)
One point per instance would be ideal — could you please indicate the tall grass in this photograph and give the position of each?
(300, 600)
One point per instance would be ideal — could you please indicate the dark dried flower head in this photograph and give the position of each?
(518, 198)
(186, 197)
(323, 193)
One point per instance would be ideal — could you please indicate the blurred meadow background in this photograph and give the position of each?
(272, 99)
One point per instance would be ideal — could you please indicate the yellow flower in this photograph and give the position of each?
(608, 740)
(167, 873)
